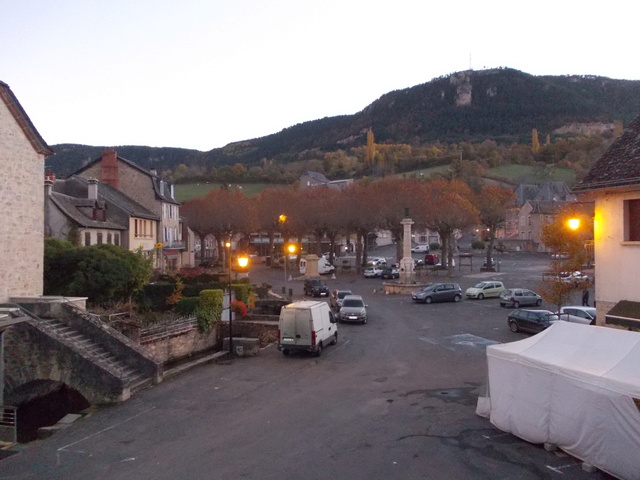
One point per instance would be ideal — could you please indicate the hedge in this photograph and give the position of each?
(187, 306)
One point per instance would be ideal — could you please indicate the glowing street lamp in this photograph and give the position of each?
(574, 223)
(289, 250)
(243, 261)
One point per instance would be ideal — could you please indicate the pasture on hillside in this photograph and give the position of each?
(194, 190)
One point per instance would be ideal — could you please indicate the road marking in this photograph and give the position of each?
(561, 467)
(428, 340)
(66, 447)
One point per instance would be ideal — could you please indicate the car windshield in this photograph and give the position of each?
(353, 303)
(343, 294)
(481, 285)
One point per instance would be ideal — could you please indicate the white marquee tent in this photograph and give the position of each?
(575, 386)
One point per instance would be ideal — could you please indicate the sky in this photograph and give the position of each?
(204, 73)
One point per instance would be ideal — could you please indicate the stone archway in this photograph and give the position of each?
(42, 403)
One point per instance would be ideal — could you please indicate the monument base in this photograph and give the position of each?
(402, 288)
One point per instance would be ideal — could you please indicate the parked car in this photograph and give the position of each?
(336, 298)
(316, 287)
(390, 273)
(517, 297)
(485, 264)
(373, 272)
(573, 277)
(377, 262)
(530, 320)
(420, 248)
(431, 259)
(491, 288)
(438, 292)
(353, 309)
(418, 262)
(578, 314)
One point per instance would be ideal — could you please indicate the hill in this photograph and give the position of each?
(499, 104)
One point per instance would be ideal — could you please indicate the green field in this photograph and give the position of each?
(527, 174)
(194, 190)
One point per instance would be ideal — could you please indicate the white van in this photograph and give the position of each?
(324, 267)
(308, 326)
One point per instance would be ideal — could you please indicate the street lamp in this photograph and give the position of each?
(243, 261)
(288, 250)
(574, 223)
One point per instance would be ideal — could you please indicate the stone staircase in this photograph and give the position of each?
(131, 378)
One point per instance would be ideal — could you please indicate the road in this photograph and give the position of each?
(394, 399)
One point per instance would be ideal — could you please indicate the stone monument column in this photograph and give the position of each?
(407, 274)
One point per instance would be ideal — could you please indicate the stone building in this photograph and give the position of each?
(22, 154)
(176, 244)
(86, 212)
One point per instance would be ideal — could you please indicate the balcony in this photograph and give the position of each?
(174, 245)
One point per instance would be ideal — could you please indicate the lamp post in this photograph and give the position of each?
(289, 249)
(243, 262)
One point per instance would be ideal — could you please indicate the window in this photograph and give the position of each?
(99, 238)
(116, 239)
(632, 220)
(109, 238)
(87, 239)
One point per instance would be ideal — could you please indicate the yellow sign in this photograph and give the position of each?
(158, 245)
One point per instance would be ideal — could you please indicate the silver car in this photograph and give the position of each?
(517, 297)
(578, 314)
(353, 309)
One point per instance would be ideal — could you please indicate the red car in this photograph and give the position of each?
(431, 259)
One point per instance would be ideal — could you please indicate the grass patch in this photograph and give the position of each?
(195, 190)
(527, 174)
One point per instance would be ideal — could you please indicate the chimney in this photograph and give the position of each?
(172, 195)
(109, 167)
(48, 187)
(161, 188)
(92, 189)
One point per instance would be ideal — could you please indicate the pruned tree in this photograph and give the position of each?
(568, 255)
(535, 141)
(493, 202)
(448, 207)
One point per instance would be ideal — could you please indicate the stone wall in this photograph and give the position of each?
(22, 203)
(30, 355)
(265, 331)
(181, 345)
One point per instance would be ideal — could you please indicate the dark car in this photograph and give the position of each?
(390, 273)
(316, 287)
(438, 292)
(531, 320)
(431, 259)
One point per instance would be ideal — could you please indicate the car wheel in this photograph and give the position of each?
(513, 326)
(538, 303)
(335, 338)
(480, 296)
(285, 352)
(502, 305)
(319, 350)
(427, 300)
(364, 320)
(516, 304)
(457, 298)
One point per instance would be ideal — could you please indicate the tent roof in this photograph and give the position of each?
(602, 356)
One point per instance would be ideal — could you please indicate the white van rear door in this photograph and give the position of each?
(295, 326)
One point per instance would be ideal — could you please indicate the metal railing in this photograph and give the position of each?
(8, 423)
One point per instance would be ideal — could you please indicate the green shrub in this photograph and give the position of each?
(193, 290)
(154, 296)
(241, 292)
(210, 309)
(187, 306)
(477, 245)
(434, 246)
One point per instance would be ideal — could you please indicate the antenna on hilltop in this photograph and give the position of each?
(470, 67)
